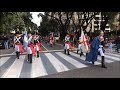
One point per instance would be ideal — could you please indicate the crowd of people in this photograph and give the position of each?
(27, 42)
(32, 44)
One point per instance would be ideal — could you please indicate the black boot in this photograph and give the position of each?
(30, 58)
(37, 53)
(81, 54)
(86, 54)
(65, 51)
(77, 51)
(68, 51)
(17, 55)
(103, 62)
(93, 62)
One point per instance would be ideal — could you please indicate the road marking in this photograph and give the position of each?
(116, 55)
(56, 63)
(38, 68)
(114, 58)
(71, 60)
(83, 58)
(44, 46)
(15, 69)
(3, 60)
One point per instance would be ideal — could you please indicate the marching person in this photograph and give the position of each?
(18, 45)
(51, 40)
(79, 47)
(30, 48)
(37, 44)
(67, 44)
(96, 48)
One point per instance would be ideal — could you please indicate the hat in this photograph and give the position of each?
(29, 32)
(17, 32)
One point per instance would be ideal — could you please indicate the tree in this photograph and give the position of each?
(15, 20)
(47, 25)
(63, 19)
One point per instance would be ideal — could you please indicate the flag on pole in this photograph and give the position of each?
(84, 45)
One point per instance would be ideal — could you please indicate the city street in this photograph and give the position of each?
(60, 45)
(56, 64)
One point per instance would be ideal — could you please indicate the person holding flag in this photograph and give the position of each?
(25, 42)
(37, 44)
(67, 44)
(83, 44)
(18, 45)
(79, 47)
(30, 48)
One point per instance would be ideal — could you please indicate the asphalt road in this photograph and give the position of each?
(113, 71)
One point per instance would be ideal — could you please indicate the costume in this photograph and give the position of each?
(30, 49)
(67, 44)
(37, 45)
(51, 41)
(18, 46)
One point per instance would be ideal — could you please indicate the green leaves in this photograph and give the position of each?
(15, 20)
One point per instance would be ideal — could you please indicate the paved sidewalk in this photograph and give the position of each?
(6, 51)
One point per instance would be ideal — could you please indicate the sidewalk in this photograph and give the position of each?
(6, 51)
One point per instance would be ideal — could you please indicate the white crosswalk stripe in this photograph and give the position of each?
(3, 60)
(71, 60)
(56, 63)
(37, 68)
(82, 58)
(14, 70)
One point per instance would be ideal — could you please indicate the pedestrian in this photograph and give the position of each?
(117, 41)
(30, 48)
(79, 46)
(37, 44)
(67, 44)
(96, 48)
(6, 42)
(110, 45)
(18, 45)
(51, 40)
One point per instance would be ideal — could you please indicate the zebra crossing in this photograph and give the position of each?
(46, 64)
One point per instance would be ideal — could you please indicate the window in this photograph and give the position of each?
(96, 26)
(107, 27)
(96, 18)
(96, 22)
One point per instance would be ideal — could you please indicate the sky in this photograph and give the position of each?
(35, 19)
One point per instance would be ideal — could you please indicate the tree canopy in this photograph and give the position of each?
(15, 20)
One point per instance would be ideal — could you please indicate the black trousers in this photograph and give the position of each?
(30, 58)
(18, 54)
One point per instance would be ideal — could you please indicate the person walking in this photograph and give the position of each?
(37, 44)
(18, 45)
(117, 41)
(97, 48)
(67, 44)
(30, 48)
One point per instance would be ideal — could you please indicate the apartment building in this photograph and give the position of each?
(96, 23)
(93, 26)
